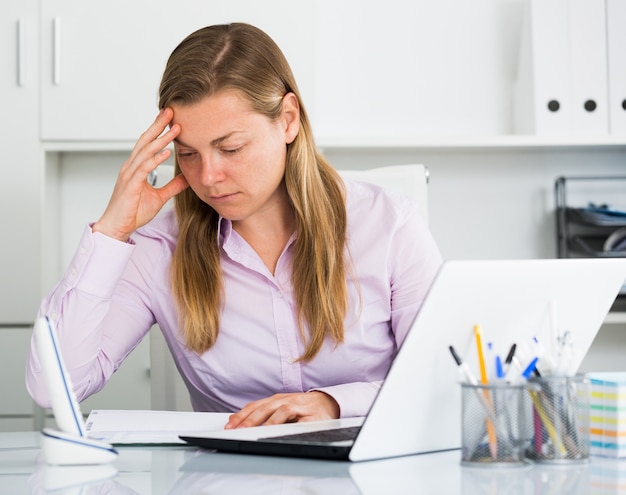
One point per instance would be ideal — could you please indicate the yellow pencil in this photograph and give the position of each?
(556, 440)
(491, 431)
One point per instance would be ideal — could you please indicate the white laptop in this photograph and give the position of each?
(418, 408)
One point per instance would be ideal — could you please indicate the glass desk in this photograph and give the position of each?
(187, 470)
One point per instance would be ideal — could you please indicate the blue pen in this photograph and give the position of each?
(499, 368)
(530, 368)
(491, 362)
(545, 363)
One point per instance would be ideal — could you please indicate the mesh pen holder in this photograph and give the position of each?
(495, 425)
(560, 409)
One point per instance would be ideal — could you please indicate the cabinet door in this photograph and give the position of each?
(16, 405)
(129, 387)
(102, 62)
(20, 164)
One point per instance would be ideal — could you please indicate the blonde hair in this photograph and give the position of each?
(241, 57)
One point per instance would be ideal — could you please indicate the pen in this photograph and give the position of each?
(497, 372)
(463, 368)
(510, 355)
(513, 366)
(545, 362)
(564, 354)
(469, 377)
(499, 368)
(532, 367)
(545, 419)
(491, 432)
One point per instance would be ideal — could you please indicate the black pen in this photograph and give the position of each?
(509, 356)
(463, 368)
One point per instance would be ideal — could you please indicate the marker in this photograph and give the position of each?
(512, 365)
(471, 379)
(463, 368)
(509, 356)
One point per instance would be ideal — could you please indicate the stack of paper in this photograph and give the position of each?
(608, 414)
(151, 427)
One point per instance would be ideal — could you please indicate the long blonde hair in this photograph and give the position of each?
(241, 57)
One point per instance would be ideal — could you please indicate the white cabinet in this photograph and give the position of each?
(400, 70)
(102, 63)
(16, 407)
(20, 166)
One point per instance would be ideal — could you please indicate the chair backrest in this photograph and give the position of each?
(409, 180)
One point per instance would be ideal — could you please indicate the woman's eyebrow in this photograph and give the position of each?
(178, 142)
(215, 142)
(219, 140)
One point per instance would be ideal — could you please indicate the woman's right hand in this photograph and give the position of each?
(134, 201)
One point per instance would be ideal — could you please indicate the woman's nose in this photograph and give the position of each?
(212, 169)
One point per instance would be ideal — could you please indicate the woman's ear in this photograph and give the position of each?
(291, 116)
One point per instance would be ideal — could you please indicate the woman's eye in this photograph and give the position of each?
(185, 154)
(230, 151)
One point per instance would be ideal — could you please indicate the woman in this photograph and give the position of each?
(282, 293)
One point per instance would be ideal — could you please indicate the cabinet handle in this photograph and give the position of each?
(56, 41)
(21, 53)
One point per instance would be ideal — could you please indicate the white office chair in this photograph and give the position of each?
(408, 180)
(168, 391)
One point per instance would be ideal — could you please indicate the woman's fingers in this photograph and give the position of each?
(134, 202)
(177, 185)
(285, 408)
(153, 133)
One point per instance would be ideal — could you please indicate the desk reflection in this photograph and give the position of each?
(184, 471)
(226, 474)
(176, 471)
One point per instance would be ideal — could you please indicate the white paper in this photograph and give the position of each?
(150, 427)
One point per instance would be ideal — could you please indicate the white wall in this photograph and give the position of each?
(493, 203)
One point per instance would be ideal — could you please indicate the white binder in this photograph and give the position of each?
(588, 69)
(616, 39)
(561, 85)
(542, 96)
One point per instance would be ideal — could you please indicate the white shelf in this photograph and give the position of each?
(91, 146)
(615, 318)
(505, 141)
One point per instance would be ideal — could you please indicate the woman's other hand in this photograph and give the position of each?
(285, 408)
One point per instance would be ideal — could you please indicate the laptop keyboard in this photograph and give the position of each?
(334, 435)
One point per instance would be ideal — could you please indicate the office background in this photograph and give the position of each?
(385, 83)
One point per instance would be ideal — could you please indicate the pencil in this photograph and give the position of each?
(491, 431)
(481, 357)
(545, 418)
